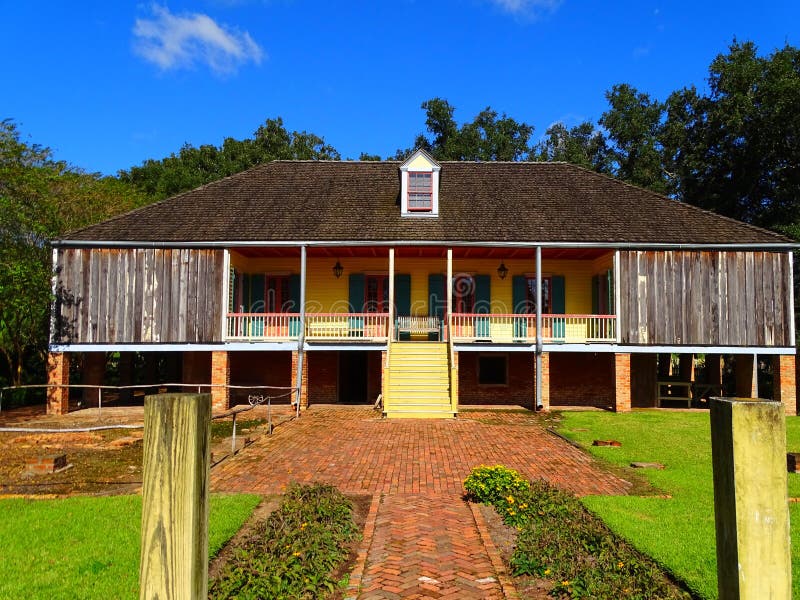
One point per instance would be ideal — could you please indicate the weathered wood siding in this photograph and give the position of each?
(132, 296)
(705, 298)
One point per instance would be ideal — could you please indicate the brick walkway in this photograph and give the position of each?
(421, 539)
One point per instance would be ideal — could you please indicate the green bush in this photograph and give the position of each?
(294, 553)
(561, 541)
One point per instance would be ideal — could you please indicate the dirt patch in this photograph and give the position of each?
(360, 511)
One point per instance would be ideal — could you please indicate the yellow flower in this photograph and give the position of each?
(565, 583)
(510, 499)
(295, 554)
(547, 571)
(303, 525)
(620, 564)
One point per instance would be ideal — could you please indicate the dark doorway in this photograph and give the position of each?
(353, 377)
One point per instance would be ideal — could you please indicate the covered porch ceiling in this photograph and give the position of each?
(476, 252)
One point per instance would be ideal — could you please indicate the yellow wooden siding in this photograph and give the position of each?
(326, 293)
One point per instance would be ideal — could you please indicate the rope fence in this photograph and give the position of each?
(254, 400)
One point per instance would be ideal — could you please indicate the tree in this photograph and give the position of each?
(195, 166)
(582, 145)
(487, 137)
(40, 198)
(737, 150)
(633, 123)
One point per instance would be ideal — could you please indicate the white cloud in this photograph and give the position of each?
(182, 41)
(528, 8)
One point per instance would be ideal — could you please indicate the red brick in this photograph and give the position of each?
(220, 377)
(57, 379)
(303, 378)
(520, 389)
(582, 379)
(622, 380)
(784, 382)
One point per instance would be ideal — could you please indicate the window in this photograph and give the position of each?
(493, 369)
(530, 304)
(420, 191)
(463, 294)
(376, 293)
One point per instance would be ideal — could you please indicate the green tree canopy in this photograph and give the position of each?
(194, 166)
(489, 136)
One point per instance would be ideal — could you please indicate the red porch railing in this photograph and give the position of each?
(508, 328)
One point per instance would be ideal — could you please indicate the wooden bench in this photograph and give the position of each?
(418, 326)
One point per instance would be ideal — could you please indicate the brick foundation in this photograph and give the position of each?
(520, 389)
(622, 381)
(581, 379)
(57, 375)
(220, 375)
(545, 380)
(784, 386)
(304, 378)
(323, 376)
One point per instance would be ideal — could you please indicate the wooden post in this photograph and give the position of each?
(174, 555)
(748, 445)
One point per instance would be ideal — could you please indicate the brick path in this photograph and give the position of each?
(360, 453)
(421, 539)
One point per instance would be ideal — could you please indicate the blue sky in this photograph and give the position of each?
(109, 84)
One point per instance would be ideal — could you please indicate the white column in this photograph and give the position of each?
(449, 288)
(617, 304)
(538, 327)
(302, 337)
(391, 295)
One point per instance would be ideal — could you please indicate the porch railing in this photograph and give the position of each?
(263, 326)
(507, 328)
(348, 326)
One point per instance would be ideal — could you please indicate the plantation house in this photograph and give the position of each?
(437, 285)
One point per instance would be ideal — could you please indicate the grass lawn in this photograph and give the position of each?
(678, 532)
(88, 547)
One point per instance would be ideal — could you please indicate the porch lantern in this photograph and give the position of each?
(502, 270)
(338, 269)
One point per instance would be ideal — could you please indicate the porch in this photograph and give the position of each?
(460, 328)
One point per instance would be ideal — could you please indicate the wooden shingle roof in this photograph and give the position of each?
(329, 201)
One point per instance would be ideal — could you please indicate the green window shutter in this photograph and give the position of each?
(558, 295)
(402, 295)
(437, 301)
(483, 294)
(519, 294)
(356, 287)
(595, 294)
(294, 292)
(231, 290)
(610, 288)
(246, 292)
(257, 283)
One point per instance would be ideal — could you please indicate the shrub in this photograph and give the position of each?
(294, 553)
(561, 541)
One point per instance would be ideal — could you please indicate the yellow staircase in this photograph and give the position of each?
(419, 381)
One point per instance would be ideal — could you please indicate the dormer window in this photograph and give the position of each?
(420, 191)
